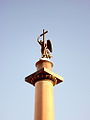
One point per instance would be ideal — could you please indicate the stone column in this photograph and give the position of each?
(44, 80)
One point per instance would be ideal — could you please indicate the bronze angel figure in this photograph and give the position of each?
(46, 47)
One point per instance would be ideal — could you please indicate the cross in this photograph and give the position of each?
(43, 34)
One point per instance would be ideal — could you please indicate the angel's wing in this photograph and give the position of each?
(49, 45)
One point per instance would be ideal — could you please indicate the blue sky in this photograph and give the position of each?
(68, 23)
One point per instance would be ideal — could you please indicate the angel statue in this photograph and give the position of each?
(46, 47)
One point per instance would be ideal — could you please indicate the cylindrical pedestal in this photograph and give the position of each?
(44, 63)
(44, 100)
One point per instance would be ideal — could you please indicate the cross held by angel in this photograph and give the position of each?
(46, 47)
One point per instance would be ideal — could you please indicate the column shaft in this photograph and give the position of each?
(44, 100)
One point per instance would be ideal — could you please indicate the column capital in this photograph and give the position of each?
(42, 74)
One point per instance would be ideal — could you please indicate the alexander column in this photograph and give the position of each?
(44, 80)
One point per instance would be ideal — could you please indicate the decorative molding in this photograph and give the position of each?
(44, 74)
